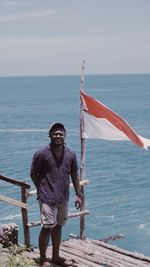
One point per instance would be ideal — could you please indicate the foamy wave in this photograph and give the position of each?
(111, 217)
(141, 226)
(23, 130)
(11, 217)
(145, 228)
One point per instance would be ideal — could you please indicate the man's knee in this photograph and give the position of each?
(47, 230)
(58, 226)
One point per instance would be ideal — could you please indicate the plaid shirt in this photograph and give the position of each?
(53, 185)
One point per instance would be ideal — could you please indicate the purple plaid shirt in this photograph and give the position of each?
(53, 185)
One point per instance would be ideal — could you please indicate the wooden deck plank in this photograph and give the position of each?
(94, 253)
(104, 252)
(96, 256)
(121, 251)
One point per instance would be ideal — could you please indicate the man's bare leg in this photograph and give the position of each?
(43, 243)
(56, 240)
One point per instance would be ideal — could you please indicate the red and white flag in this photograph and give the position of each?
(101, 122)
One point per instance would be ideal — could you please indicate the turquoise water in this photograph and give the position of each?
(118, 193)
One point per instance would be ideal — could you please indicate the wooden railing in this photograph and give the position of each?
(72, 215)
(24, 206)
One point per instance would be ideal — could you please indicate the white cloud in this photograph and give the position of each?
(99, 44)
(39, 36)
(34, 15)
(29, 15)
(8, 3)
(97, 30)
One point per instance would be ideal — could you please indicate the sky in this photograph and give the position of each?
(53, 37)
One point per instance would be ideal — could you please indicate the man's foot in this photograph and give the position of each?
(44, 264)
(58, 261)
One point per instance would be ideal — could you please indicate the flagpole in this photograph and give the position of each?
(83, 150)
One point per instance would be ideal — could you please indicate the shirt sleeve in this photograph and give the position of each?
(74, 165)
(37, 162)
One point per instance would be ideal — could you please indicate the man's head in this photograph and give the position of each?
(57, 133)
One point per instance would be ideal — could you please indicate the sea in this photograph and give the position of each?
(118, 193)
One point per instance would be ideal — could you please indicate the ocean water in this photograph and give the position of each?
(118, 194)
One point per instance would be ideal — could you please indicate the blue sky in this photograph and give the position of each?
(48, 37)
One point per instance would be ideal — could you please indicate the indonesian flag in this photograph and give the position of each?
(101, 122)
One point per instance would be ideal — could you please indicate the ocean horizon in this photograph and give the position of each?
(71, 74)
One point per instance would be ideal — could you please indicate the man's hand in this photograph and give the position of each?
(79, 202)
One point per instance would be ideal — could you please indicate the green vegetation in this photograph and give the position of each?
(10, 257)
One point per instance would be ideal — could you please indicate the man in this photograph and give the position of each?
(50, 171)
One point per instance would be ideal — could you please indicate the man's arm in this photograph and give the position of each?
(76, 184)
(77, 188)
(34, 177)
(35, 168)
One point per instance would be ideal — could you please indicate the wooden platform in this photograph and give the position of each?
(94, 253)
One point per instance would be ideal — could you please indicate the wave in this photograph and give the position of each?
(23, 130)
(11, 217)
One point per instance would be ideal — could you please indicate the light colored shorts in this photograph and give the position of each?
(52, 215)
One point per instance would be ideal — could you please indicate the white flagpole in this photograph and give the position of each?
(83, 150)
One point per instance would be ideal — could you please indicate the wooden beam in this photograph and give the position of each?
(83, 182)
(14, 181)
(13, 202)
(25, 218)
(71, 215)
(83, 154)
(111, 238)
(122, 251)
(78, 214)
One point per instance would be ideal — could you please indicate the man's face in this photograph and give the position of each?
(58, 137)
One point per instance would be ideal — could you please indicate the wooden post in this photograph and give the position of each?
(82, 161)
(23, 205)
(25, 218)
